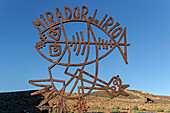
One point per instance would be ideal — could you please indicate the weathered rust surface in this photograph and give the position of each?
(52, 30)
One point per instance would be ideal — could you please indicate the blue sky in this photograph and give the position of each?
(148, 27)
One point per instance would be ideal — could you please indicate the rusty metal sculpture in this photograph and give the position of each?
(50, 32)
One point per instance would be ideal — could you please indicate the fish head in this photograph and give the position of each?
(49, 43)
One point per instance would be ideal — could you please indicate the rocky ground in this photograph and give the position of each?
(140, 99)
(100, 102)
(18, 102)
(97, 101)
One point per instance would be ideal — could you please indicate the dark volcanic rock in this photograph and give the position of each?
(20, 101)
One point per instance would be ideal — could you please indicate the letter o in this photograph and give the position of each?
(78, 13)
(118, 31)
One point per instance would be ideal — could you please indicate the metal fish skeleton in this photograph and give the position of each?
(78, 41)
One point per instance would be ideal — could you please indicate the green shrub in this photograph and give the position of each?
(117, 107)
(115, 111)
(135, 108)
(123, 109)
(96, 107)
(70, 112)
(127, 108)
(113, 108)
(152, 102)
(168, 110)
(143, 109)
(139, 112)
(102, 107)
(109, 96)
(159, 110)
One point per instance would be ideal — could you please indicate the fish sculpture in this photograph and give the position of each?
(50, 36)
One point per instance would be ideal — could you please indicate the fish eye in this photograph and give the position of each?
(54, 49)
(54, 33)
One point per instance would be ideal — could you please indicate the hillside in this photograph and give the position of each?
(99, 101)
(19, 101)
